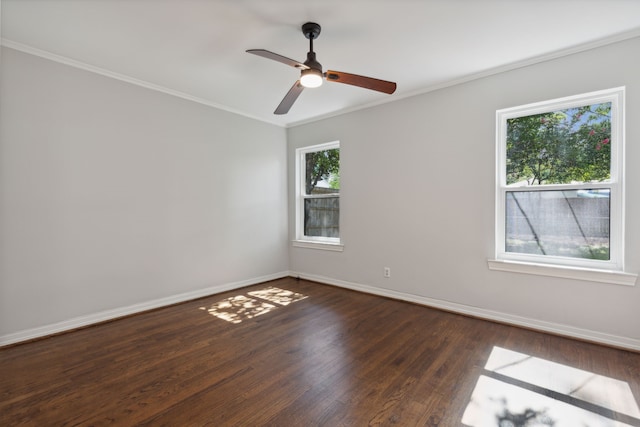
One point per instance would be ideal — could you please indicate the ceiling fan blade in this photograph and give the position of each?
(361, 81)
(289, 98)
(270, 55)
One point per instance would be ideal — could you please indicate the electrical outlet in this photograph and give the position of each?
(387, 272)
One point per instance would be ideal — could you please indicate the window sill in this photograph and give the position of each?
(591, 275)
(325, 246)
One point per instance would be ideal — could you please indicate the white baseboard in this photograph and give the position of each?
(78, 322)
(554, 328)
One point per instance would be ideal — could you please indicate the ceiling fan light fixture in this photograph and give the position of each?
(311, 78)
(311, 74)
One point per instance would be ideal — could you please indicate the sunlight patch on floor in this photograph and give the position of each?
(496, 403)
(277, 295)
(519, 390)
(238, 308)
(241, 307)
(598, 389)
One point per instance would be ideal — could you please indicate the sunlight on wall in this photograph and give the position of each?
(240, 307)
(519, 390)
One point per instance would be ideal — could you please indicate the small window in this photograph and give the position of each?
(559, 182)
(318, 193)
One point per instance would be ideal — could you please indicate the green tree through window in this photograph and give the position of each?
(560, 147)
(322, 166)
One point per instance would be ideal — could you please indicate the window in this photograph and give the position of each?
(559, 197)
(318, 196)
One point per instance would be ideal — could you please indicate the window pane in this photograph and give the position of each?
(322, 172)
(568, 223)
(321, 217)
(560, 147)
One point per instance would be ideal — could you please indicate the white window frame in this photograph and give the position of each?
(611, 271)
(312, 242)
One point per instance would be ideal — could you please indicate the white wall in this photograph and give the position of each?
(417, 195)
(113, 196)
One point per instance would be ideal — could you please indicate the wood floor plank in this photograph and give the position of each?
(334, 358)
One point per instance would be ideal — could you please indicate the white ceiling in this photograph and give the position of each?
(196, 48)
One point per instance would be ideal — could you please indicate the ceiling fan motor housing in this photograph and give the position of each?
(312, 63)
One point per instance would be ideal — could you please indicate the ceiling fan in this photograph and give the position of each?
(311, 74)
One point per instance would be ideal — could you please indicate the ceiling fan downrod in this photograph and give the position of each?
(313, 76)
(311, 30)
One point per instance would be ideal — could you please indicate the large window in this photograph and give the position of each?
(318, 195)
(560, 182)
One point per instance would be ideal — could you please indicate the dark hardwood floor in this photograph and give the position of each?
(334, 358)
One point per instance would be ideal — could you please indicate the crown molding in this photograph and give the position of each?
(431, 88)
(123, 77)
(627, 35)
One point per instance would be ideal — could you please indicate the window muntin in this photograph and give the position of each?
(559, 182)
(318, 193)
